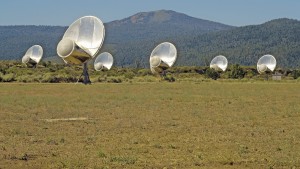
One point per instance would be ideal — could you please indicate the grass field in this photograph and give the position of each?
(150, 125)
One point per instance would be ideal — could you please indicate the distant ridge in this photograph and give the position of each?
(244, 45)
(159, 24)
(131, 40)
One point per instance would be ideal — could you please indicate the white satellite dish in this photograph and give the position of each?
(266, 62)
(219, 63)
(82, 42)
(164, 54)
(33, 55)
(104, 60)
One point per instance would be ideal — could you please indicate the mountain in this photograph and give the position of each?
(241, 45)
(15, 40)
(132, 39)
(244, 45)
(158, 24)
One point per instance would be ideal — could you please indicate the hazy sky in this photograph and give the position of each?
(64, 12)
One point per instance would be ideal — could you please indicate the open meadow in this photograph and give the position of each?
(210, 124)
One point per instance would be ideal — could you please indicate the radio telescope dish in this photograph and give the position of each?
(82, 42)
(104, 60)
(33, 55)
(164, 54)
(219, 63)
(266, 62)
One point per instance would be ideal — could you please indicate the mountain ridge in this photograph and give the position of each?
(15, 40)
(162, 24)
(131, 39)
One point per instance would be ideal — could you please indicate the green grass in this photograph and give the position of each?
(151, 125)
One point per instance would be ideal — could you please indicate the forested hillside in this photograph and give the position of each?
(243, 45)
(131, 40)
(158, 25)
(15, 40)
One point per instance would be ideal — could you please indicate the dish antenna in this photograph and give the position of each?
(33, 55)
(219, 63)
(104, 60)
(266, 62)
(163, 56)
(82, 42)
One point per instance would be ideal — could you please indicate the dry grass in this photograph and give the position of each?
(150, 125)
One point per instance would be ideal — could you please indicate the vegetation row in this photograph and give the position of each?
(47, 72)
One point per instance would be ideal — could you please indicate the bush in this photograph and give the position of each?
(147, 79)
(24, 78)
(144, 72)
(114, 80)
(37, 78)
(129, 75)
(50, 78)
(8, 77)
(102, 79)
(169, 78)
(296, 74)
(212, 73)
(236, 72)
(250, 74)
(53, 69)
(66, 78)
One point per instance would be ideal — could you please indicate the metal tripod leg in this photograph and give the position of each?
(86, 78)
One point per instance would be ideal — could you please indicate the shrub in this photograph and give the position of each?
(24, 79)
(65, 78)
(114, 80)
(296, 74)
(8, 77)
(212, 73)
(144, 72)
(102, 79)
(147, 79)
(1, 74)
(53, 69)
(236, 72)
(129, 75)
(250, 74)
(169, 78)
(50, 78)
(37, 78)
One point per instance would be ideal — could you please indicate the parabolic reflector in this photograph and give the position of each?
(219, 63)
(266, 62)
(82, 40)
(164, 53)
(103, 60)
(33, 55)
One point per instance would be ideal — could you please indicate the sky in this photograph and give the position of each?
(64, 12)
